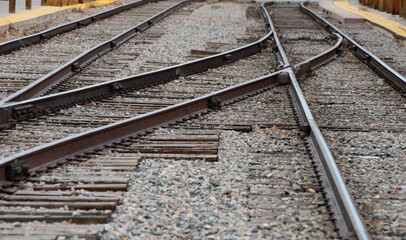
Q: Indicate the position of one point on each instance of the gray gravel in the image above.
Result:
(300, 36)
(231, 198)
(372, 155)
(203, 25)
(74, 15)
(20, 68)
(378, 41)
(80, 118)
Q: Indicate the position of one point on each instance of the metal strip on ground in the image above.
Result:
(59, 151)
(347, 217)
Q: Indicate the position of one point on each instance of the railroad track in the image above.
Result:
(108, 155)
(74, 205)
(155, 48)
(63, 120)
(356, 109)
(79, 118)
(362, 118)
(301, 37)
(379, 41)
(57, 59)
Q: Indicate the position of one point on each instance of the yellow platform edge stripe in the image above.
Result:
(90, 4)
(393, 26)
(31, 14)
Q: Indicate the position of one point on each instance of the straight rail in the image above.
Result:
(57, 152)
(347, 217)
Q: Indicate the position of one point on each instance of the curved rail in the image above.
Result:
(26, 41)
(319, 60)
(281, 58)
(347, 217)
(32, 107)
(375, 63)
(66, 70)
(59, 151)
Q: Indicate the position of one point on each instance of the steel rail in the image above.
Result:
(347, 217)
(391, 76)
(26, 41)
(65, 71)
(280, 55)
(11, 111)
(59, 151)
(310, 64)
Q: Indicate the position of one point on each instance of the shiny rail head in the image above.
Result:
(58, 151)
(348, 219)
(347, 216)
(309, 65)
(133, 82)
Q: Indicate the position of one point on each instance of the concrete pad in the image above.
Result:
(384, 20)
(340, 14)
(31, 18)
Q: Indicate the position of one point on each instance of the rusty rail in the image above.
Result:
(58, 151)
(26, 41)
(63, 72)
(11, 111)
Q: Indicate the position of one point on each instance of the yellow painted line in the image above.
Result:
(90, 4)
(28, 15)
(23, 16)
(393, 26)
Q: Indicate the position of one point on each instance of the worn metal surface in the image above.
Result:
(395, 79)
(60, 150)
(347, 218)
